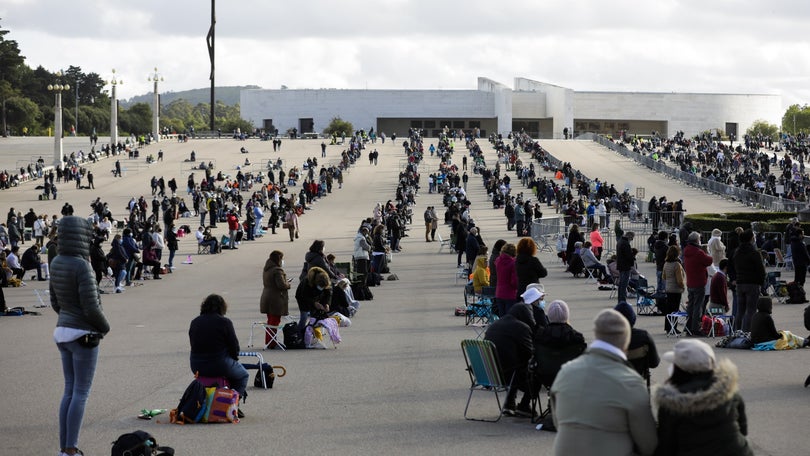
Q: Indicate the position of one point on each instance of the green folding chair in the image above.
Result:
(485, 373)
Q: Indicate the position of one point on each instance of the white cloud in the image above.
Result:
(667, 45)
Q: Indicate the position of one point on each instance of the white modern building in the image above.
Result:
(544, 110)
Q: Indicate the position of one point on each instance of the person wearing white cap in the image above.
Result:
(700, 411)
(600, 404)
(534, 296)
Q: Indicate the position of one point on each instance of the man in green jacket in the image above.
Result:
(600, 404)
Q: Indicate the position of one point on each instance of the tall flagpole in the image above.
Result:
(210, 41)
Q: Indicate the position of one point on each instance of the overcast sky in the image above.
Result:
(713, 46)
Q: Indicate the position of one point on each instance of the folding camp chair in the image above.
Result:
(677, 318)
(645, 298)
(782, 262)
(589, 275)
(718, 313)
(543, 369)
(638, 358)
(273, 331)
(485, 373)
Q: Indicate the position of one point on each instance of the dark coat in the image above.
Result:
(798, 250)
(275, 295)
(529, 270)
(660, 248)
(624, 255)
(212, 334)
(704, 416)
(512, 336)
(73, 289)
(748, 265)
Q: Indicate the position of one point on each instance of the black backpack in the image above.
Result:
(139, 443)
(796, 294)
(291, 338)
(192, 405)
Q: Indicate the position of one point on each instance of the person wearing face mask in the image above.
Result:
(275, 299)
(313, 295)
(535, 296)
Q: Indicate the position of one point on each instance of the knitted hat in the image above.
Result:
(557, 311)
(625, 309)
(694, 236)
(691, 355)
(611, 327)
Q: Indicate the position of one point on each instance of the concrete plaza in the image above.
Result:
(395, 385)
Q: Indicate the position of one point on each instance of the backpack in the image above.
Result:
(269, 376)
(291, 338)
(191, 407)
(575, 265)
(361, 292)
(796, 294)
(139, 443)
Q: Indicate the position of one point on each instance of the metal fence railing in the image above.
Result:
(756, 199)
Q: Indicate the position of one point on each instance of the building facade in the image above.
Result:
(543, 110)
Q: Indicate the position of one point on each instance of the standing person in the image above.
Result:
(233, 227)
(496, 251)
(751, 275)
(506, 287)
(275, 300)
(674, 283)
(625, 260)
(528, 268)
(291, 220)
(615, 417)
(80, 325)
(597, 241)
(801, 258)
(362, 251)
(215, 347)
(715, 247)
(171, 244)
(660, 249)
(700, 410)
(428, 224)
(434, 223)
(695, 262)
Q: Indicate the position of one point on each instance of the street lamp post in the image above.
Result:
(114, 112)
(156, 114)
(76, 121)
(57, 119)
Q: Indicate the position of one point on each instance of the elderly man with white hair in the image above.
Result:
(600, 404)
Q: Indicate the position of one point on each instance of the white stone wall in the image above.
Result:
(361, 107)
(690, 112)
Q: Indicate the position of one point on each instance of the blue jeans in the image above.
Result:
(171, 257)
(660, 288)
(747, 297)
(302, 323)
(78, 367)
(624, 281)
(221, 365)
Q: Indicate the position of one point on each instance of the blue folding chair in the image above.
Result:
(485, 373)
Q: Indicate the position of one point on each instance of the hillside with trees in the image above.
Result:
(27, 106)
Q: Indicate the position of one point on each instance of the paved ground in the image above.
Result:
(396, 385)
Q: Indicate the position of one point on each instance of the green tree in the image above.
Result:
(796, 119)
(338, 126)
(137, 119)
(761, 127)
(23, 112)
(10, 63)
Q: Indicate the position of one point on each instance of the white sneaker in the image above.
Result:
(119, 289)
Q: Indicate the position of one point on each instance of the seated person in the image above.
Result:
(764, 334)
(342, 300)
(313, 295)
(718, 288)
(215, 347)
(13, 261)
(512, 336)
(590, 261)
(204, 238)
(639, 338)
(480, 274)
(534, 296)
(104, 227)
(557, 335)
(31, 260)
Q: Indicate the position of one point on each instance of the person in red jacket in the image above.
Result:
(233, 228)
(695, 262)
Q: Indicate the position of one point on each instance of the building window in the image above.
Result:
(430, 124)
(475, 124)
(458, 124)
(416, 124)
